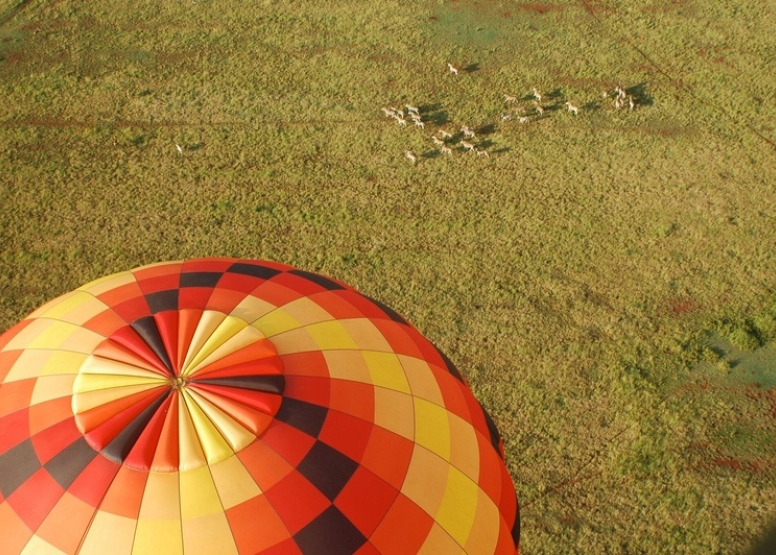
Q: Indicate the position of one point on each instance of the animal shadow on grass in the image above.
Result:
(429, 108)
(501, 150)
(591, 106)
(430, 154)
(195, 146)
(438, 117)
(471, 68)
(487, 129)
(555, 94)
(487, 143)
(639, 94)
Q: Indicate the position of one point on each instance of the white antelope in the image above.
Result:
(452, 68)
(482, 152)
(401, 121)
(419, 123)
(539, 108)
(446, 150)
(445, 134)
(468, 132)
(410, 156)
(387, 111)
(510, 98)
(411, 108)
(631, 103)
(573, 109)
(506, 117)
(179, 148)
(523, 119)
(467, 146)
(438, 142)
(618, 103)
(536, 95)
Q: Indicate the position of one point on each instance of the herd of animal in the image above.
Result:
(463, 138)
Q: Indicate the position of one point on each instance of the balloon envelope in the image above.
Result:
(224, 406)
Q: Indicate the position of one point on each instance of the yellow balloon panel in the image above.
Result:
(432, 429)
(108, 529)
(233, 482)
(219, 337)
(386, 371)
(459, 506)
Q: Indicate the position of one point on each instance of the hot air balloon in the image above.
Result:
(224, 406)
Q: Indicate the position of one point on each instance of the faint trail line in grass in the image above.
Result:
(64, 123)
(11, 12)
(15, 10)
(678, 82)
(564, 484)
(576, 478)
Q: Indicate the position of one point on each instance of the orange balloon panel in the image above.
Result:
(227, 406)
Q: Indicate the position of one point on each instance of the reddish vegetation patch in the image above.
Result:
(538, 8)
(737, 464)
(756, 393)
(667, 130)
(733, 464)
(14, 57)
(682, 306)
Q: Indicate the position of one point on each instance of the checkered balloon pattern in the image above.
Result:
(224, 406)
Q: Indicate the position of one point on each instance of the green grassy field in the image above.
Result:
(605, 281)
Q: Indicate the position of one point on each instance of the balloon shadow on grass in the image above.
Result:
(765, 544)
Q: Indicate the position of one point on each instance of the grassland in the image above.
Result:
(605, 282)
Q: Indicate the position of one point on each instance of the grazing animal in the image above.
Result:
(573, 109)
(438, 142)
(452, 68)
(510, 98)
(401, 121)
(180, 149)
(467, 146)
(506, 117)
(419, 123)
(618, 103)
(482, 152)
(468, 132)
(537, 95)
(412, 108)
(523, 119)
(539, 108)
(445, 134)
(388, 112)
(410, 156)
(446, 150)
(631, 103)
